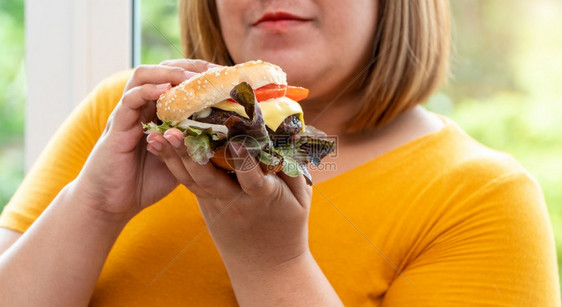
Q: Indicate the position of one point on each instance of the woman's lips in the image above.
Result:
(279, 21)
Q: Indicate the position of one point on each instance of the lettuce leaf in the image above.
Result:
(316, 149)
(253, 134)
(315, 144)
(199, 148)
(152, 127)
(199, 143)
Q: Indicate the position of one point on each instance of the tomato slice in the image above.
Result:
(297, 93)
(271, 91)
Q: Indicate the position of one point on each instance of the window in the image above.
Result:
(71, 46)
(160, 31)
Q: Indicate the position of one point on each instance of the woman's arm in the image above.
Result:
(297, 282)
(58, 260)
(7, 238)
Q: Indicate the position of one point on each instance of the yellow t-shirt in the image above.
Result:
(439, 221)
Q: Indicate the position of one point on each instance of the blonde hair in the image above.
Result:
(409, 61)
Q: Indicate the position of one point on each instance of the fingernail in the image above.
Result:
(163, 86)
(188, 74)
(176, 142)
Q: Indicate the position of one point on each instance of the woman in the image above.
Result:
(416, 212)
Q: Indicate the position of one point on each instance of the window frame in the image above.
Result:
(70, 47)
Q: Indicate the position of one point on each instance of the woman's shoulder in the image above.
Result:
(461, 155)
(97, 106)
(117, 80)
(447, 152)
(467, 175)
(112, 85)
(450, 170)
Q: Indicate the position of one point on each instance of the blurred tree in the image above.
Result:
(483, 36)
(12, 97)
(160, 31)
(506, 86)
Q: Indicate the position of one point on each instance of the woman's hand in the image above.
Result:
(256, 221)
(120, 178)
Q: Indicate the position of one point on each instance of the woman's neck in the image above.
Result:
(356, 149)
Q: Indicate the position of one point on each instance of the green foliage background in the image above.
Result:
(12, 97)
(505, 89)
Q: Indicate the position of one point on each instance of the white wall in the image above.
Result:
(70, 46)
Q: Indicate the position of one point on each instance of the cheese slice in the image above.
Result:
(274, 111)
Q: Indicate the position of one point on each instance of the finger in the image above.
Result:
(249, 173)
(127, 113)
(197, 66)
(298, 187)
(206, 176)
(158, 146)
(157, 74)
(148, 113)
(137, 97)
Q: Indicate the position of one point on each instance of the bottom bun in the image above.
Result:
(223, 159)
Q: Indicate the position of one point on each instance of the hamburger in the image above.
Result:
(251, 104)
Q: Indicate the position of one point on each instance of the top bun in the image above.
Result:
(206, 89)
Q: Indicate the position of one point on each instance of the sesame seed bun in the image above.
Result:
(208, 88)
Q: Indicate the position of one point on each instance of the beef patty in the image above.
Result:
(289, 127)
